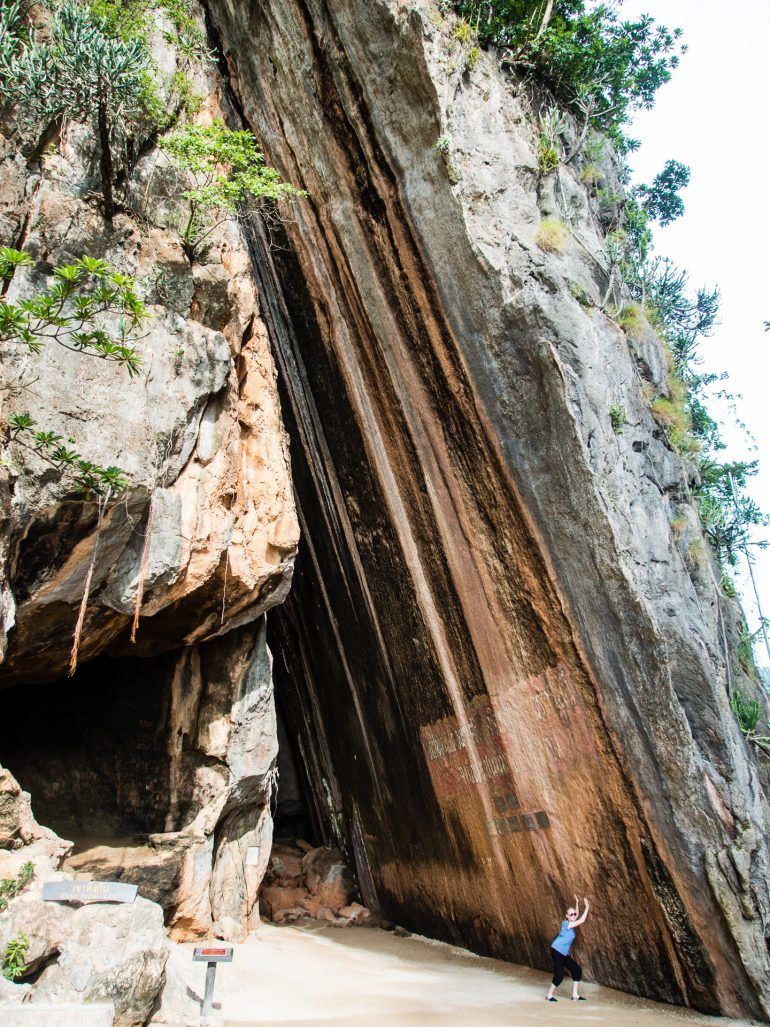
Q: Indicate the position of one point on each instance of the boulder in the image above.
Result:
(285, 866)
(18, 826)
(109, 953)
(355, 911)
(100, 952)
(276, 899)
(328, 878)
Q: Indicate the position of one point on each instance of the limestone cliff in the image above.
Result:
(173, 738)
(504, 661)
(507, 668)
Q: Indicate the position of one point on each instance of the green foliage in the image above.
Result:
(227, 178)
(11, 32)
(78, 69)
(727, 512)
(745, 648)
(474, 55)
(548, 157)
(552, 124)
(552, 235)
(728, 586)
(463, 32)
(15, 957)
(591, 175)
(661, 201)
(11, 886)
(579, 293)
(131, 19)
(633, 320)
(77, 311)
(87, 477)
(444, 146)
(747, 712)
(601, 67)
(73, 311)
(618, 418)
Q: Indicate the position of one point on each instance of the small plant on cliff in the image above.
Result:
(80, 71)
(747, 713)
(15, 957)
(633, 320)
(91, 309)
(75, 310)
(552, 236)
(552, 124)
(618, 418)
(227, 179)
(11, 886)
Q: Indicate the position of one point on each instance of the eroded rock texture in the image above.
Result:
(199, 431)
(507, 670)
(157, 756)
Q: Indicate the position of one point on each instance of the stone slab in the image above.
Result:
(88, 891)
(43, 1015)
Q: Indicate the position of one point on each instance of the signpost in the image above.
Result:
(211, 955)
(88, 891)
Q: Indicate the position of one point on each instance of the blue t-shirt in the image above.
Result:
(563, 941)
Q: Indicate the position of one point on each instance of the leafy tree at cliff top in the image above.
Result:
(601, 67)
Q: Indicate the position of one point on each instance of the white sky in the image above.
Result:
(714, 115)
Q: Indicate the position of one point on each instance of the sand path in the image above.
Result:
(287, 977)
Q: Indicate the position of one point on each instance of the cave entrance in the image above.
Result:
(121, 758)
(294, 810)
(94, 751)
(103, 758)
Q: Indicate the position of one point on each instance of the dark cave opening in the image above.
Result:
(93, 750)
(108, 757)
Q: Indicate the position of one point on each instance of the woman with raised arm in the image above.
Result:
(560, 956)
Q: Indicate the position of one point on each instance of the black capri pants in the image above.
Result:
(562, 963)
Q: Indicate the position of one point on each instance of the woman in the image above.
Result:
(560, 947)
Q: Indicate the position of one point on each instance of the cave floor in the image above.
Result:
(290, 976)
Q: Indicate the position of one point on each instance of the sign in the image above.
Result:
(252, 856)
(213, 954)
(88, 891)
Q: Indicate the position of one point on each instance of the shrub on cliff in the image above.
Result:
(78, 70)
(227, 179)
(601, 67)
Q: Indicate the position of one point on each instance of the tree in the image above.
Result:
(661, 200)
(227, 177)
(81, 72)
(601, 67)
(89, 308)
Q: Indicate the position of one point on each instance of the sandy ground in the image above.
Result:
(287, 977)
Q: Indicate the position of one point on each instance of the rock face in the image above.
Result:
(506, 668)
(505, 660)
(158, 756)
(208, 529)
(91, 953)
(303, 882)
(163, 778)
